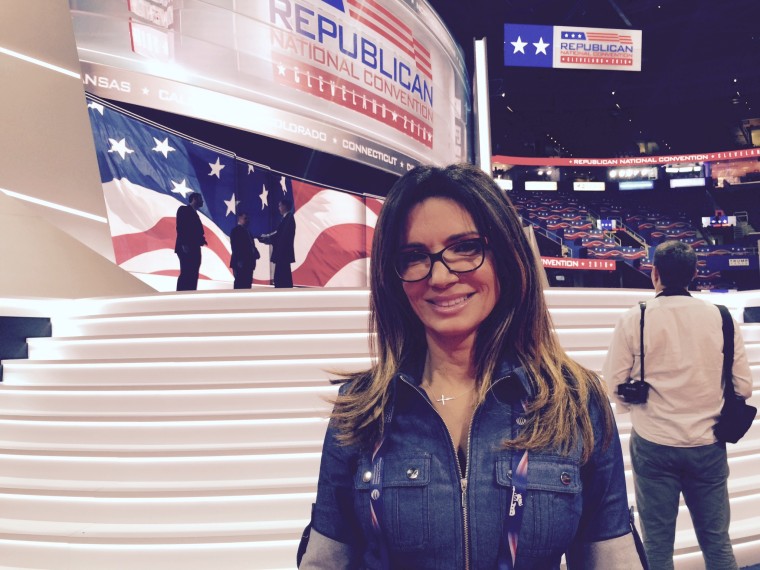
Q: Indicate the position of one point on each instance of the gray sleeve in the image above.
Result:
(613, 554)
(327, 554)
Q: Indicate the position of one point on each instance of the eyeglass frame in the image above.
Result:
(438, 256)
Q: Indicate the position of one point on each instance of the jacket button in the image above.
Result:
(367, 476)
(565, 478)
(412, 473)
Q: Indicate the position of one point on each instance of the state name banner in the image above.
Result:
(572, 47)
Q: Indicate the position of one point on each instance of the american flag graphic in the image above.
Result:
(603, 37)
(148, 171)
(381, 20)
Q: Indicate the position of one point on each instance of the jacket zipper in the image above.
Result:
(462, 479)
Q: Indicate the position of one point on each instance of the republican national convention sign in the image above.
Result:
(147, 172)
(572, 47)
(378, 81)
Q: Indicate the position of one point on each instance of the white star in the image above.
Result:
(181, 188)
(145, 91)
(394, 114)
(541, 46)
(519, 45)
(97, 106)
(263, 196)
(163, 147)
(250, 168)
(282, 184)
(216, 168)
(231, 205)
(120, 147)
(281, 69)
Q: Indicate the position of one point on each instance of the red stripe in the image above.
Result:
(162, 235)
(357, 16)
(421, 47)
(333, 249)
(385, 12)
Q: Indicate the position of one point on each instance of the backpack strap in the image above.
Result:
(728, 352)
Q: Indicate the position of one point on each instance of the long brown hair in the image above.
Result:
(519, 324)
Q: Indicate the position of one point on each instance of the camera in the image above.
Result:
(633, 392)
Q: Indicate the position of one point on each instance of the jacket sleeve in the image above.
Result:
(604, 539)
(334, 519)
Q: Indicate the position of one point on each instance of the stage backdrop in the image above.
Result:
(378, 81)
(148, 171)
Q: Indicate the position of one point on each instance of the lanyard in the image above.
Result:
(376, 487)
(513, 518)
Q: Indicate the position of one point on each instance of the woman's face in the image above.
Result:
(451, 306)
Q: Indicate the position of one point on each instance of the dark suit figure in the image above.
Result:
(190, 238)
(244, 254)
(282, 245)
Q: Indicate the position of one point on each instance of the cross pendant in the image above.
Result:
(443, 399)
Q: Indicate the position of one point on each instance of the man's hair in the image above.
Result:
(676, 263)
(193, 196)
(287, 202)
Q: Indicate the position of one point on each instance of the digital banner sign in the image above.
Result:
(578, 264)
(572, 47)
(381, 82)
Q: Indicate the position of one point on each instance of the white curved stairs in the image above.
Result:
(184, 430)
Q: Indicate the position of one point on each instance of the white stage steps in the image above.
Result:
(183, 430)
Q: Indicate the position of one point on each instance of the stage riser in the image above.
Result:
(185, 429)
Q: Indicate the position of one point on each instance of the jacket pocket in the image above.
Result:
(405, 498)
(553, 504)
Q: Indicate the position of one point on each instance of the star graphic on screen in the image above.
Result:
(394, 114)
(541, 46)
(282, 184)
(216, 168)
(163, 147)
(519, 45)
(97, 106)
(263, 196)
(281, 69)
(120, 147)
(145, 91)
(181, 188)
(231, 205)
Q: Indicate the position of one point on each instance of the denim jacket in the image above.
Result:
(430, 523)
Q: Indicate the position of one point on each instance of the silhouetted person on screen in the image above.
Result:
(190, 238)
(244, 254)
(282, 245)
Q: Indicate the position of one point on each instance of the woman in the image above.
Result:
(474, 441)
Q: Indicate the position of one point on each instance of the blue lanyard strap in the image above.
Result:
(376, 488)
(513, 518)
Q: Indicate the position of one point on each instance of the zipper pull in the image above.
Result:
(463, 483)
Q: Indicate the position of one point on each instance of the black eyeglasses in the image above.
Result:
(461, 257)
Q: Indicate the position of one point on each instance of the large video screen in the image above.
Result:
(381, 82)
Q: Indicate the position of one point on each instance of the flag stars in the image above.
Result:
(251, 169)
(282, 185)
(264, 197)
(181, 188)
(216, 168)
(96, 106)
(541, 46)
(120, 147)
(163, 147)
(519, 45)
(231, 205)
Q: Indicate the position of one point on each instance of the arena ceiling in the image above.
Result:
(698, 90)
